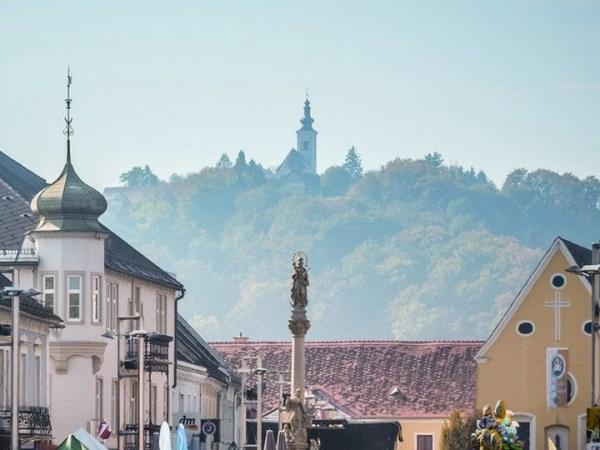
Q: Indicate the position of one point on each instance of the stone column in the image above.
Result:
(299, 418)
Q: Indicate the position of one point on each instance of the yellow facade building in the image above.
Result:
(538, 358)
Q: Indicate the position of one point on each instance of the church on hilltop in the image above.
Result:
(298, 171)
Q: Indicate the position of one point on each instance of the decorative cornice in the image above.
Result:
(62, 351)
(299, 326)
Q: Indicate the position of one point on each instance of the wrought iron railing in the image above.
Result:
(156, 352)
(34, 421)
(130, 436)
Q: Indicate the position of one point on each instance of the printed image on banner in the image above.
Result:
(557, 360)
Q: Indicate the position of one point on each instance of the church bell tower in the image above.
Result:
(307, 138)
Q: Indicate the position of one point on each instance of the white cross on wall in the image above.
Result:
(557, 304)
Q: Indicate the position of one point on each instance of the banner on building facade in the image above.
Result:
(557, 360)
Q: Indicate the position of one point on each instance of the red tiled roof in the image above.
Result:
(433, 378)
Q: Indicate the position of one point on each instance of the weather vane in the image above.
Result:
(68, 131)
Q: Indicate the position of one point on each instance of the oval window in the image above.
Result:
(525, 328)
(558, 281)
(587, 327)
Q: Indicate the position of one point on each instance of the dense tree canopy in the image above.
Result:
(138, 176)
(416, 250)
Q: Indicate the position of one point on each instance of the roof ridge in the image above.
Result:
(14, 161)
(354, 341)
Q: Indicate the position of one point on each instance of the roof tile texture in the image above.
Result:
(433, 378)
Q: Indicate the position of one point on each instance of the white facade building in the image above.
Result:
(92, 279)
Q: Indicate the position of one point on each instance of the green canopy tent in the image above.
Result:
(80, 440)
(71, 443)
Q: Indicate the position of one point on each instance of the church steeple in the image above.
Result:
(307, 138)
(68, 204)
(307, 120)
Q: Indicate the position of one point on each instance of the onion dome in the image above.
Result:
(69, 204)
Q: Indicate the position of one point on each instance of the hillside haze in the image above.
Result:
(416, 250)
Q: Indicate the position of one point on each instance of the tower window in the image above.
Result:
(304, 145)
(74, 297)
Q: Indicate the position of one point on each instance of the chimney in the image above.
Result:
(241, 339)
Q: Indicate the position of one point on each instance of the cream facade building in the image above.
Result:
(538, 359)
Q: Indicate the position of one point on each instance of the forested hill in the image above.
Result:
(416, 250)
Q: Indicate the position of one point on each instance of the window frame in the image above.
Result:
(79, 292)
(161, 313)
(432, 435)
(114, 403)
(99, 399)
(96, 298)
(525, 321)
(23, 375)
(52, 291)
(558, 274)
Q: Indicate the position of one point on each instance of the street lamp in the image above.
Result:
(141, 336)
(16, 295)
(111, 334)
(259, 372)
(592, 271)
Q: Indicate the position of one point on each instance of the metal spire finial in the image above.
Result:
(68, 131)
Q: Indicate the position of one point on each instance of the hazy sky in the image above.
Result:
(493, 84)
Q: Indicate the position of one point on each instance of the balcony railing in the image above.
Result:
(18, 256)
(34, 422)
(130, 436)
(156, 353)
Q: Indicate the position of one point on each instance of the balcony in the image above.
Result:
(18, 256)
(156, 353)
(130, 436)
(34, 423)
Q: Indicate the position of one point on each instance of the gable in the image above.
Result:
(531, 302)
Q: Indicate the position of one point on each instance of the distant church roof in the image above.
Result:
(294, 162)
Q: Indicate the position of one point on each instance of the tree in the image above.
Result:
(224, 162)
(435, 159)
(139, 176)
(456, 433)
(335, 181)
(353, 164)
(240, 163)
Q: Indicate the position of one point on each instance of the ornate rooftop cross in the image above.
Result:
(557, 304)
(68, 131)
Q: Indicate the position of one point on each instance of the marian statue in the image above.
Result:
(299, 419)
(299, 284)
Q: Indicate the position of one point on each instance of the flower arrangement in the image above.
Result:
(497, 430)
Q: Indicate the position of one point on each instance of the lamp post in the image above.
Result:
(16, 294)
(141, 336)
(592, 271)
(111, 334)
(260, 372)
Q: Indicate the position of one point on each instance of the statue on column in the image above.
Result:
(299, 284)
